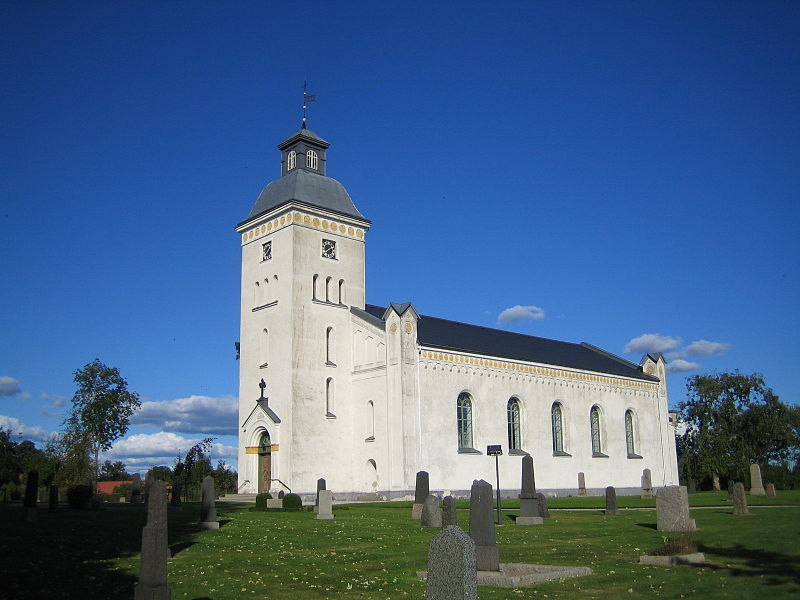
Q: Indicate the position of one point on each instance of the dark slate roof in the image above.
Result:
(305, 187)
(304, 133)
(452, 335)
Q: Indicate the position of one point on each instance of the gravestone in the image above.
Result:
(481, 526)
(449, 512)
(739, 500)
(771, 490)
(647, 484)
(325, 512)
(208, 508)
(581, 484)
(543, 505)
(136, 488)
(730, 490)
(530, 513)
(149, 478)
(274, 503)
(421, 491)
(321, 485)
(53, 499)
(431, 513)
(612, 507)
(281, 494)
(31, 496)
(152, 583)
(672, 509)
(175, 502)
(756, 486)
(452, 567)
(692, 486)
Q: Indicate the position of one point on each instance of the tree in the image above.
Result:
(161, 473)
(101, 410)
(225, 479)
(113, 471)
(733, 420)
(194, 466)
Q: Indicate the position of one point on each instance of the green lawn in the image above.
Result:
(374, 551)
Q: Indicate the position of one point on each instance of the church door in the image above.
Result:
(264, 464)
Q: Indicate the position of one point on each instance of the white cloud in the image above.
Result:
(701, 348)
(195, 414)
(679, 366)
(518, 313)
(144, 447)
(652, 342)
(54, 403)
(9, 386)
(18, 429)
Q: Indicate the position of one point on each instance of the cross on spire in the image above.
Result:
(306, 99)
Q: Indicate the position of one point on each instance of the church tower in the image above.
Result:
(303, 267)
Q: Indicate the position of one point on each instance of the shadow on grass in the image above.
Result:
(648, 525)
(77, 553)
(774, 567)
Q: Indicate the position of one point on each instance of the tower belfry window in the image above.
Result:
(312, 160)
(291, 160)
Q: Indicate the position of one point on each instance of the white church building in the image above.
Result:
(365, 396)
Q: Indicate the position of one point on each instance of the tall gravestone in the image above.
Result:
(325, 512)
(208, 508)
(672, 509)
(449, 511)
(581, 484)
(530, 512)
(136, 488)
(175, 501)
(612, 507)
(431, 513)
(31, 496)
(739, 500)
(543, 505)
(756, 485)
(452, 566)
(770, 490)
(730, 490)
(647, 484)
(481, 526)
(421, 491)
(149, 478)
(53, 498)
(152, 583)
(321, 485)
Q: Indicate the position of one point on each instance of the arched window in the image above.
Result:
(328, 346)
(370, 421)
(629, 439)
(291, 160)
(264, 348)
(594, 422)
(311, 159)
(329, 397)
(314, 287)
(557, 422)
(512, 418)
(341, 291)
(464, 409)
(327, 289)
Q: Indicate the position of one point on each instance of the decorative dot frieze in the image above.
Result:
(307, 221)
(533, 370)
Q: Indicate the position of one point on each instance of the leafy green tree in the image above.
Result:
(10, 466)
(161, 473)
(733, 420)
(225, 479)
(113, 471)
(101, 410)
(194, 467)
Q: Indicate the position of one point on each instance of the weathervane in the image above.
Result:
(306, 99)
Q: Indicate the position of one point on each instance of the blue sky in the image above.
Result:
(620, 173)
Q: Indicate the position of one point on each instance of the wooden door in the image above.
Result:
(264, 472)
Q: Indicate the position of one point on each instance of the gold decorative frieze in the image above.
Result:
(306, 220)
(530, 369)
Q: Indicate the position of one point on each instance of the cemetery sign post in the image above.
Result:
(497, 450)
